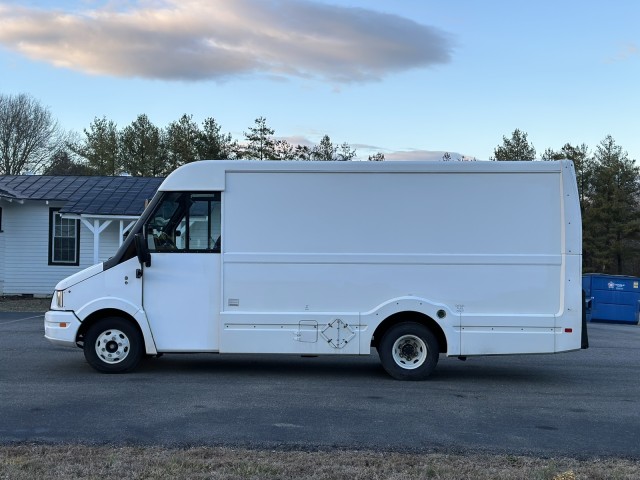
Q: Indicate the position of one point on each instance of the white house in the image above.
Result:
(54, 226)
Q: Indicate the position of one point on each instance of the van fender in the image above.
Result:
(446, 317)
(131, 309)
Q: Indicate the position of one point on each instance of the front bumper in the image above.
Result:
(61, 328)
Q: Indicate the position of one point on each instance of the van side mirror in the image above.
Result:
(142, 250)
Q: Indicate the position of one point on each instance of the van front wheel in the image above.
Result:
(409, 351)
(113, 345)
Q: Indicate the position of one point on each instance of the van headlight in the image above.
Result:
(60, 298)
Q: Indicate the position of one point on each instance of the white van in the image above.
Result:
(334, 258)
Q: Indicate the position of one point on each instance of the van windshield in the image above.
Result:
(185, 221)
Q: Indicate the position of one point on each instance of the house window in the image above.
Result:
(64, 239)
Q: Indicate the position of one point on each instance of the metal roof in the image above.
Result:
(84, 195)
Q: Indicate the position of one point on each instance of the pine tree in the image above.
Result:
(101, 147)
(141, 151)
(583, 163)
(214, 145)
(611, 223)
(261, 145)
(181, 142)
(515, 148)
(327, 151)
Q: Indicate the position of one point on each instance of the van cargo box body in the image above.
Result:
(337, 257)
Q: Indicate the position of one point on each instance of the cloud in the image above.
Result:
(298, 140)
(365, 150)
(426, 155)
(221, 39)
(625, 52)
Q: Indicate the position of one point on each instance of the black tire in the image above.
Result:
(409, 351)
(113, 345)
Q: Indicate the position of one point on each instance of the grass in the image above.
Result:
(18, 462)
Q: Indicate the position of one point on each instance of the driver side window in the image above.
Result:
(186, 222)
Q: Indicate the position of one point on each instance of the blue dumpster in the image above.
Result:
(612, 298)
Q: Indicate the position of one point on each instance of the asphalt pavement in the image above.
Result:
(581, 404)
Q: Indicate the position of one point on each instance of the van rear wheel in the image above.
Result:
(409, 351)
(113, 345)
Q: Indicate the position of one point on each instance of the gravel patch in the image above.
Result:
(24, 304)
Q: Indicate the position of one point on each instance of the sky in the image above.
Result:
(409, 78)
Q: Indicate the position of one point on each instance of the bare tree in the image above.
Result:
(28, 134)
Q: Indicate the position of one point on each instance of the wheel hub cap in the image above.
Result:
(409, 352)
(112, 346)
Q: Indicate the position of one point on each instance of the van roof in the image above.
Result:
(210, 174)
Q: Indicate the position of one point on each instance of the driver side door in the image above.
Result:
(181, 288)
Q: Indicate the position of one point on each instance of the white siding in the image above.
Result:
(24, 262)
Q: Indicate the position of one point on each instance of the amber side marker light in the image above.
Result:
(63, 324)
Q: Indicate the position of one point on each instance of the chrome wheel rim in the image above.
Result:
(112, 346)
(409, 352)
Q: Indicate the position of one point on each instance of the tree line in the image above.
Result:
(31, 140)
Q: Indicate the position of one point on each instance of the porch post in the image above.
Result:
(124, 230)
(96, 229)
